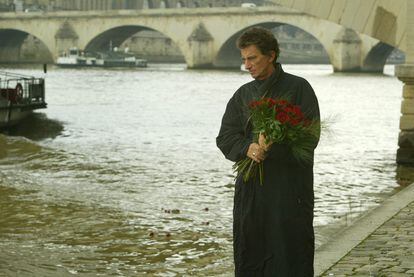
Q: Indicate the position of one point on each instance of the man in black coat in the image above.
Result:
(272, 223)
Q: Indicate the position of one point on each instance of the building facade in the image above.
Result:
(87, 5)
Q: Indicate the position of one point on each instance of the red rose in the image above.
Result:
(288, 109)
(282, 117)
(297, 111)
(294, 121)
(254, 104)
(271, 102)
(261, 102)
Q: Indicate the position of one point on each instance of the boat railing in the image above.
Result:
(22, 90)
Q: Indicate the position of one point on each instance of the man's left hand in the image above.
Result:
(262, 142)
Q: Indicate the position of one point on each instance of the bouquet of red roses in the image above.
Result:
(279, 122)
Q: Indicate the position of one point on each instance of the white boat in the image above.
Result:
(78, 58)
(140, 63)
(19, 96)
(75, 58)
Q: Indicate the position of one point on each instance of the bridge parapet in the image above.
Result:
(154, 12)
(47, 5)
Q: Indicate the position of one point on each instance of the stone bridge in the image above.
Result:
(384, 20)
(391, 22)
(205, 36)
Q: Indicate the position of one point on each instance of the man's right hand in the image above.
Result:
(256, 153)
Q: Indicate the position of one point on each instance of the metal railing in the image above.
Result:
(21, 90)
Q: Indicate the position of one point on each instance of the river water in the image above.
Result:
(120, 175)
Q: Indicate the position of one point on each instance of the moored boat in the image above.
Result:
(75, 58)
(19, 96)
(113, 58)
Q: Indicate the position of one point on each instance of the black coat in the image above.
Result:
(273, 222)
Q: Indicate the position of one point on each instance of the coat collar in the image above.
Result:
(263, 86)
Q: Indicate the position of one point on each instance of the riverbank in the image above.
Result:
(378, 244)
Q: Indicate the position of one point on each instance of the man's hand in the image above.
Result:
(262, 142)
(256, 153)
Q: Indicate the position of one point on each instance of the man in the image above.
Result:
(273, 222)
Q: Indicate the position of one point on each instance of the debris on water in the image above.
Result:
(206, 209)
(171, 211)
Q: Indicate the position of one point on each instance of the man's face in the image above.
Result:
(260, 66)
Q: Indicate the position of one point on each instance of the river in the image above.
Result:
(120, 175)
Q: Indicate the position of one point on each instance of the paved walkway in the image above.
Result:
(379, 244)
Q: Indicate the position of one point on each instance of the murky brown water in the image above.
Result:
(121, 176)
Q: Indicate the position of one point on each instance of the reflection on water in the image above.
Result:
(120, 175)
(36, 126)
(70, 237)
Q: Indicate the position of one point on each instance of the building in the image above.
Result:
(86, 5)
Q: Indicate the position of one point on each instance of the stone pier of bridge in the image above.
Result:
(405, 72)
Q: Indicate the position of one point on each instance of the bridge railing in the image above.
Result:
(22, 90)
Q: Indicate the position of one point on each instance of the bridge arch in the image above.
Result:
(11, 51)
(116, 36)
(376, 58)
(228, 56)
